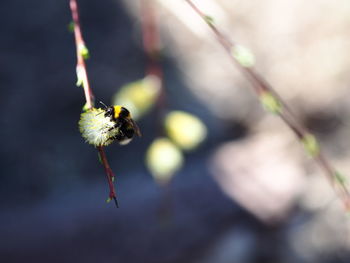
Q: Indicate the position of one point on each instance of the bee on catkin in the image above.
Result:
(101, 127)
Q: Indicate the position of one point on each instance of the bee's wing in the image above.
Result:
(136, 127)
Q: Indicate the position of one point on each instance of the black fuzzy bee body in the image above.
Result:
(123, 122)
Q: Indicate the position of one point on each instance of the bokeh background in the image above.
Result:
(248, 193)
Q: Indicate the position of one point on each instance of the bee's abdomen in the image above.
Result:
(127, 131)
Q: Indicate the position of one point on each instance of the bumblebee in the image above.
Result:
(126, 126)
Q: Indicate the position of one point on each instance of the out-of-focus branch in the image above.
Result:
(150, 38)
(82, 80)
(273, 103)
(152, 49)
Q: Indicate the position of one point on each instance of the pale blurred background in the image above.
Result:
(248, 193)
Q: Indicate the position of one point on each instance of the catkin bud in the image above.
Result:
(97, 129)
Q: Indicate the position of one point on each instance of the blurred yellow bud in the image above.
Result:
(138, 96)
(163, 159)
(83, 50)
(270, 102)
(243, 55)
(310, 144)
(185, 129)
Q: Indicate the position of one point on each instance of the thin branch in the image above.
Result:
(80, 49)
(109, 173)
(82, 52)
(261, 88)
(152, 48)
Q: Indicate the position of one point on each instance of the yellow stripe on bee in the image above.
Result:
(117, 110)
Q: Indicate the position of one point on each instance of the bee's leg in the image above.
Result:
(118, 136)
(116, 126)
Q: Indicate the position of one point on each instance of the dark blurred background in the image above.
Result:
(247, 194)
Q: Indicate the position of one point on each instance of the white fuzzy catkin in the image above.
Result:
(97, 129)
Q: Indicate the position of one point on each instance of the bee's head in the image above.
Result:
(109, 112)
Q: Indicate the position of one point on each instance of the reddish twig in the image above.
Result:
(150, 38)
(83, 80)
(80, 48)
(261, 87)
(109, 173)
(152, 49)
